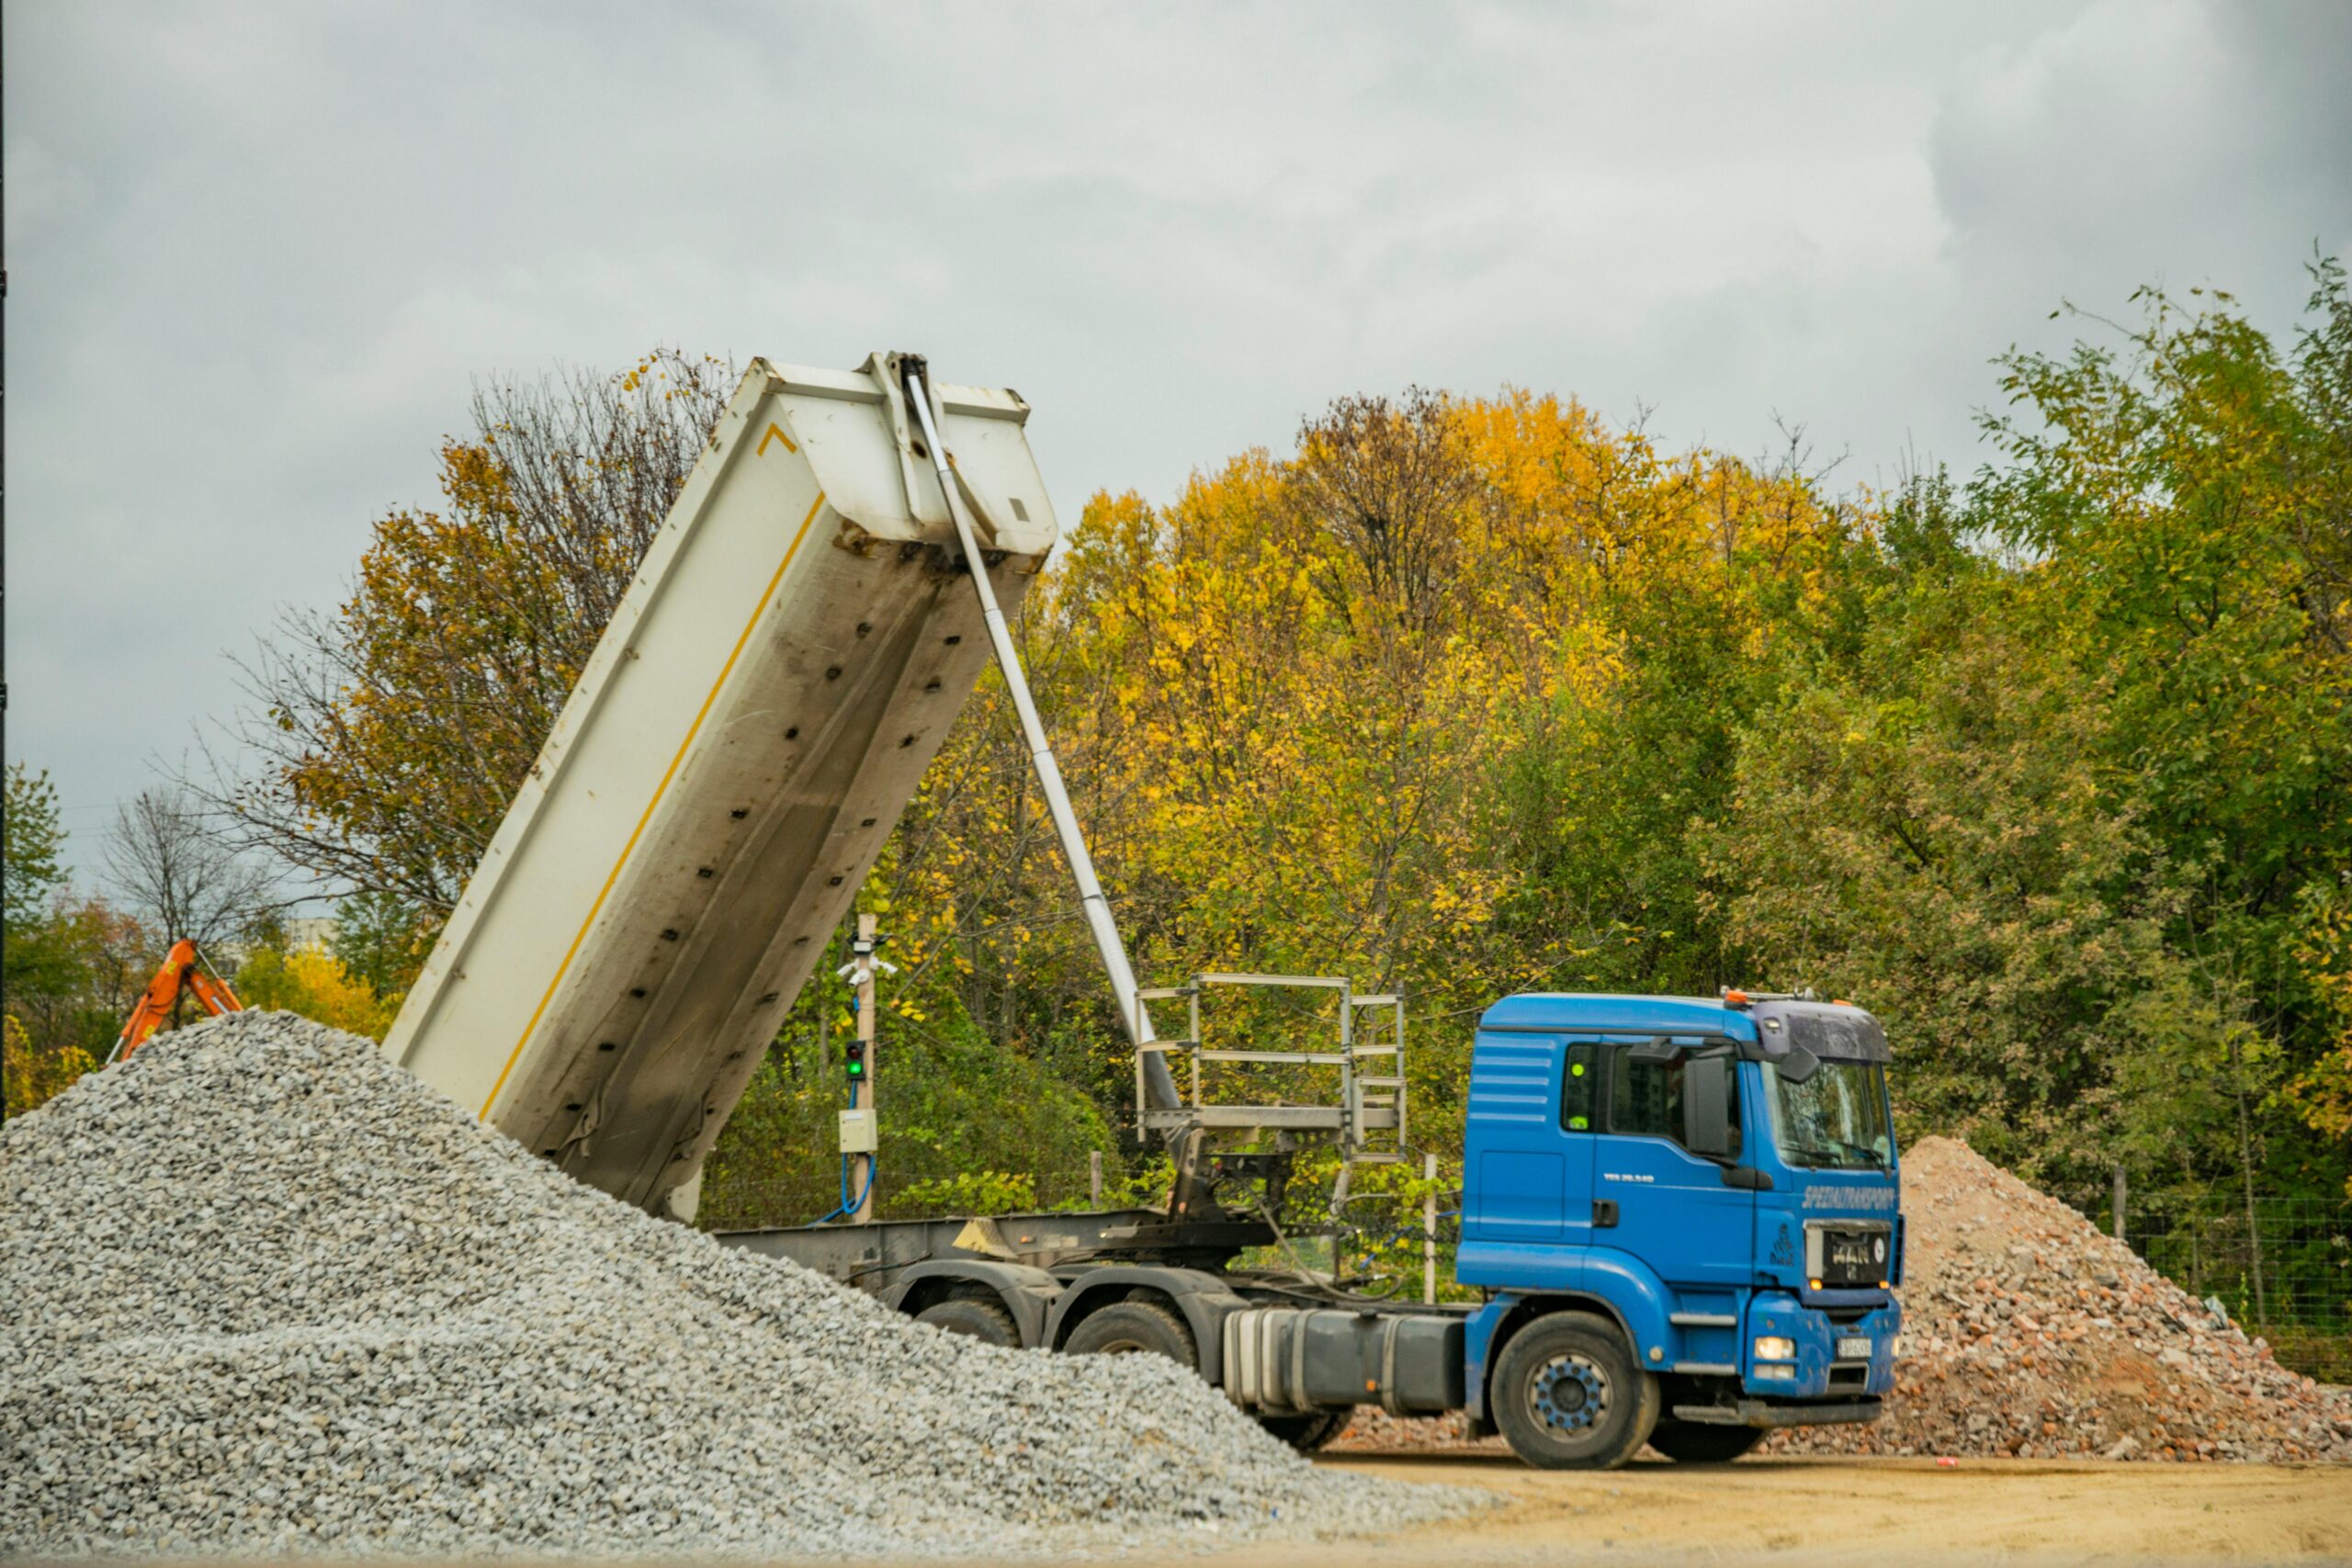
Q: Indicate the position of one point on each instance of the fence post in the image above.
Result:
(1428, 1229)
(2121, 1192)
(1094, 1177)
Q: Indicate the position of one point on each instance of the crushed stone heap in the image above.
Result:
(2026, 1331)
(263, 1291)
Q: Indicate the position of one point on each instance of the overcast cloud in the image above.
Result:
(257, 251)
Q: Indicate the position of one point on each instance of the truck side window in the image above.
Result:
(1646, 1099)
(1579, 1077)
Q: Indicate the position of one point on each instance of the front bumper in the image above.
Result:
(1758, 1412)
(1818, 1372)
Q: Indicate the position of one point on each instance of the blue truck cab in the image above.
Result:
(1687, 1214)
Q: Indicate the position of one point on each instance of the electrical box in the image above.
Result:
(858, 1131)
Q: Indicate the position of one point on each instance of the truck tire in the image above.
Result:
(987, 1322)
(1569, 1394)
(1125, 1328)
(1309, 1432)
(1703, 1442)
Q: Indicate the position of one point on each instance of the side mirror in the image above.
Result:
(1706, 1107)
(1798, 1065)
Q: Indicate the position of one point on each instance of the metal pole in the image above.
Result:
(2121, 1192)
(863, 1175)
(1159, 1082)
(4, 536)
(1094, 1177)
(1429, 1228)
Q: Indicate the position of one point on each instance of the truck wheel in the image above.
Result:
(1126, 1328)
(1703, 1442)
(985, 1321)
(1309, 1432)
(1569, 1394)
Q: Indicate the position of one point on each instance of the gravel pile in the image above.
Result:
(266, 1292)
(2028, 1332)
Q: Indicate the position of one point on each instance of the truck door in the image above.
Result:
(1534, 1101)
(1651, 1197)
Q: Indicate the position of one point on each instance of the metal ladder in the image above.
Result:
(1366, 1117)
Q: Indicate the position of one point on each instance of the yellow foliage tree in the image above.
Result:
(34, 1077)
(310, 981)
(1290, 701)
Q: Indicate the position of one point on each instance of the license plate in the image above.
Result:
(1854, 1349)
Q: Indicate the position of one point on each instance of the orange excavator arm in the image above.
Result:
(184, 968)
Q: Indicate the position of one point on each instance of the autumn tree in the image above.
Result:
(312, 981)
(73, 962)
(386, 739)
(1300, 702)
(1465, 695)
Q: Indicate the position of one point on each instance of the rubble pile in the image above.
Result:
(1374, 1430)
(262, 1292)
(2028, 1332)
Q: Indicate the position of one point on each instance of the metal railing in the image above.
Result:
(1366, 1119)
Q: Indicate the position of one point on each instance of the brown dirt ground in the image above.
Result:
(1782, 1512)
(1879, 1512)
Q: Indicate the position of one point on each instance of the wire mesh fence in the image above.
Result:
(2279, 1266)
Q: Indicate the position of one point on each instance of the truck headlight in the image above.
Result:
(1773, 1348)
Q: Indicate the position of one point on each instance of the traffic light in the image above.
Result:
(853, 1058)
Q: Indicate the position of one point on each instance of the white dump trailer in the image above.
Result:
(799, 639)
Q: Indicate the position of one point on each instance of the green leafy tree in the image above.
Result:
(38, 963)
(1934, 843)
(35, 841)
(2184, 498)
(382, 939)
(965, 1116)
(72, 965)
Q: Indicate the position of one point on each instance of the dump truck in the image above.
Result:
(1681, 1214)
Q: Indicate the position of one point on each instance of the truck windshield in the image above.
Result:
(1836, 1119)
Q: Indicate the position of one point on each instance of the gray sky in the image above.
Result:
(257, 251)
